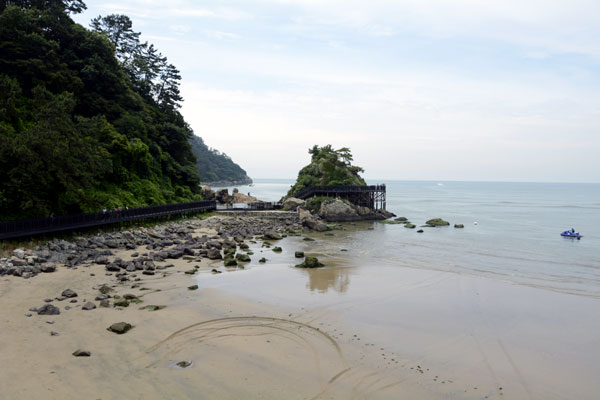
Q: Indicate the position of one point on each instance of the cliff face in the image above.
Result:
(328, 167)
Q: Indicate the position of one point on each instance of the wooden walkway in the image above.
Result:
(373, 197)
(24, 228)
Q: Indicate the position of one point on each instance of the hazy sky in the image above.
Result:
(424, 89)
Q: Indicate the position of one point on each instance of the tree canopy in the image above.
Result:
(88, 118)
(215, 166)
(328, 167)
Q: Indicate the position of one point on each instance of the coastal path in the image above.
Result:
(30, 227)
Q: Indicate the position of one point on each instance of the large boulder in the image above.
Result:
(315, 223)
(292, 204)
(338, 210)
(222, 196)
(243, 198)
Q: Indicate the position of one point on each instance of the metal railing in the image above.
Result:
(313, 190)
(22, 228)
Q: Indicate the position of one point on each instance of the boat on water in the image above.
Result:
(571, 234)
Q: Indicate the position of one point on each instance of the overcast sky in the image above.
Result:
(425, 89)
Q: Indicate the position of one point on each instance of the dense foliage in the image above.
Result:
(328, 167)
(215, 166)
(88, 118)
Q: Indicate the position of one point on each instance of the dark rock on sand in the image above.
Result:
(88, 306)
(48, 268)
(120, 327)
(299, 254)
(183, 364)
(242, 257)
(193, 287)
(48, 309)
(68, 293)
(81, 353)
(459, 226)
(410, 226)
(277, 249)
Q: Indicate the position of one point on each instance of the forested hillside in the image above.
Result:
(215, 166)
(328, 167)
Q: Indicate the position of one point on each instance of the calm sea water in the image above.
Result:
(512, 231)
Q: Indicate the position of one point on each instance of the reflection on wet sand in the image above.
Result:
(322, 279)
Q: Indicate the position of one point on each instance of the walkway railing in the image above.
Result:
(22, 228)
(313, 190)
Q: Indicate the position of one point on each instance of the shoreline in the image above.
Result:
(244, 339)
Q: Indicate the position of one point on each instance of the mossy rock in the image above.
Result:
(310, 262)
(193, 287)
(420, 231)
(121, 303)
(152, 307)
(391, 222)
(230, 262)
(129, 296)
(307, 239)
(410, 226)
(191, 271)
(437, 222)
(277, 249)
(242, 257)
(459, 226)
(250, 253)
(244, 246)
(262, 260)
(299, 254)
(401, 219)
(229, 251)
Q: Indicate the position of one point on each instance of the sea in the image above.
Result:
(511, 231)
(502, 308)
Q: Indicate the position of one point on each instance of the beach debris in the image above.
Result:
(120, 327)
(81, 353)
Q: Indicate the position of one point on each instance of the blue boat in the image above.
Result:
(571, 234)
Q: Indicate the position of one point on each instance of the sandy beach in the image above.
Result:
(453, 336)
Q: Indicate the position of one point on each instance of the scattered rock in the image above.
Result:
(53, 333)
(120, 327)
(310, 262)
(459, 226)
(292, 204)
(299, 254)
(82, 353)
(152, 308)
(242, 257)
(277, 249)
(262, 260)
(410, 226)
(121, 303)
(193, 287)
(420, 231)
(48, 309)
(68, 293)
(48, 268)
(184, 364)
(437, 222)
(88, 306)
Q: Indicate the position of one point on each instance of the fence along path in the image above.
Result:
(23, 228)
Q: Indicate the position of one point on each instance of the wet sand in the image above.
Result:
(271, 331)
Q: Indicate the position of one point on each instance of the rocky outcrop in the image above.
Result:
(222, 196)
(292, 204)
(437, 222)
(337, 210)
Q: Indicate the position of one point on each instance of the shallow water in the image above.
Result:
(506, 303)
